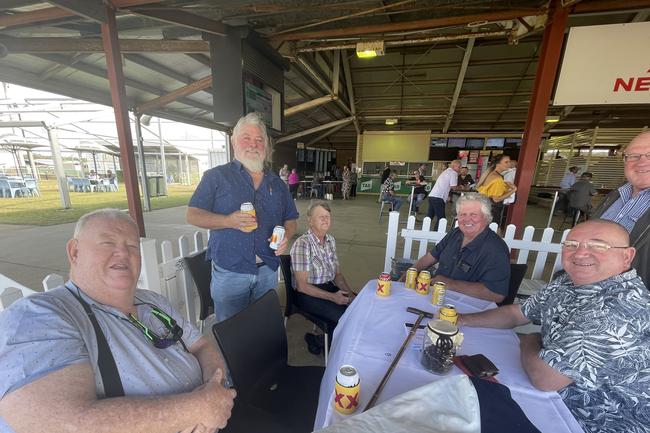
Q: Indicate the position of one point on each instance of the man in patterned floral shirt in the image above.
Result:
(594, 346)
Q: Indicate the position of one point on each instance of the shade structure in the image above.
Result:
(14, 144)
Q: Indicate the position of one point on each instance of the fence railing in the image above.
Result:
(543, 251)
(167, 276)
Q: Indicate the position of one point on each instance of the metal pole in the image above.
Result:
(412, 197)
(143, 170)
(30, 156)
(163, 162)
(64, 192)
(550, 217)
(187, 164)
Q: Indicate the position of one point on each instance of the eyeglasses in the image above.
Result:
(175, 331)
(599, 247)
(634, 157)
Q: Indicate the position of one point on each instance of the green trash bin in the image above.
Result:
(152, 184)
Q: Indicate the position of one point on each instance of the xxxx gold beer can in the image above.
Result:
(424, 279)
(277, 237)
(250, 209)
(346, 390)
(411, 278)
(383, 284)
(438, 297)
(448, 312)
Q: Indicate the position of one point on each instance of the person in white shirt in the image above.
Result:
(439, 194)
(569, 178)
(284, 173)
(509, 177)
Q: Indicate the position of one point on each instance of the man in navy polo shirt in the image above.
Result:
(244, 267)
(472, 259)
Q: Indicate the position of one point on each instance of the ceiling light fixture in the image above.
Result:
(370, 49)
(552, 119)
(391, 122)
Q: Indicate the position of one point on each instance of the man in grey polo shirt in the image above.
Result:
(439, 194)
(168, 378)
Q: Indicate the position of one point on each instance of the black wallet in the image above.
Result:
(479, 365)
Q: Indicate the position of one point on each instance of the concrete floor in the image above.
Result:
(29, 253)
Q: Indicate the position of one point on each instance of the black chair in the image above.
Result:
(517, 273)
(254, 345)
(293, 308)
(201, 272)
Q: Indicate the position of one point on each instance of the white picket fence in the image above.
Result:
(543, 250)
(168, 276)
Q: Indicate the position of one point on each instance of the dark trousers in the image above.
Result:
(294, 189)
(353, 191)
(436, 207)
(327, 310)
(497, 212)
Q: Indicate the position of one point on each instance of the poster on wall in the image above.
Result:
(473, 157)
(366, 186)
(606, 64)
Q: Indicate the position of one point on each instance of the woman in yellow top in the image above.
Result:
(493, 186)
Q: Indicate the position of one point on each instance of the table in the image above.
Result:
(333, 187)
(372, 330)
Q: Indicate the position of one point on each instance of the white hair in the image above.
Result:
(254, 119)
(486, 203)
(111, 214)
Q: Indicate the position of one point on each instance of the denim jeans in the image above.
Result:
(232, 292)
(396, 201)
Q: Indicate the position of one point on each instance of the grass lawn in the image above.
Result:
(46, 210)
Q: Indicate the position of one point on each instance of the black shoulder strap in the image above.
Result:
(105, 361)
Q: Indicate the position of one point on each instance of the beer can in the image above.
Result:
(346, 390)
(448, 312)
(250, 209)
(383, 284)
(424, 279)
(411, 278)
(277, 237)
(438, 297)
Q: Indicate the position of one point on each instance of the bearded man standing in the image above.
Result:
(244, 267)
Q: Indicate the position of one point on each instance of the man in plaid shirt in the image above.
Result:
(322, 289)
(388, 192)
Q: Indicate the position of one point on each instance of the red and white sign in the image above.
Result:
(607, 64)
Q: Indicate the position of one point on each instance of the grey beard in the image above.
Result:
(252, 165)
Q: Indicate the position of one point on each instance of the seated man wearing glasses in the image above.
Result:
(594, 346)
(629, 205)
(97, 354)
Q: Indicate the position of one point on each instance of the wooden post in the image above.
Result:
(120, 105)
(544, 79)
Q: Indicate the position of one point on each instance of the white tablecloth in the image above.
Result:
(372, 330)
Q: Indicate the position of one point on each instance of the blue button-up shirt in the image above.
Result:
(222, 190)
(627, 210)
(484, 260)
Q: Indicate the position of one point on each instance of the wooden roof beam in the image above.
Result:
(410, 25)
(182, 18)
(90, 9)
(70, 45)
(163, 100)
(49, 14)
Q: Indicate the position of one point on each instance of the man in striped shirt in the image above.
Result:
(629, 205)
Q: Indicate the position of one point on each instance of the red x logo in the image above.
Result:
(423, 286)
(354, 402)
(380, 288)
